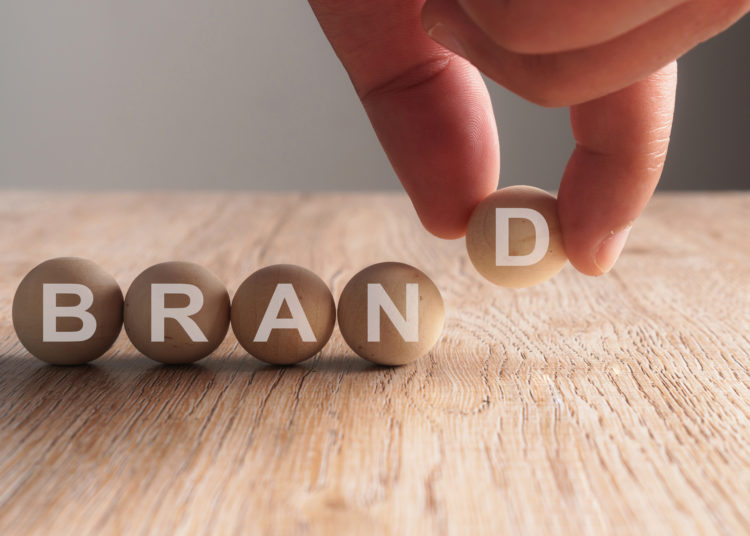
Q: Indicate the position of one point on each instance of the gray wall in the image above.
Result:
(232, 94)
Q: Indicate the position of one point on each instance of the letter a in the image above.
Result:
(284, 293)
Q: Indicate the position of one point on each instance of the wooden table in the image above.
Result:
(618, 404)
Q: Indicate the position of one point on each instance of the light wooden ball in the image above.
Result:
(481, 234)
(296, 321)
(394, 347)
(106, 309)
(177, 345)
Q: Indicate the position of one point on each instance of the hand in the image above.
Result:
(612, 62)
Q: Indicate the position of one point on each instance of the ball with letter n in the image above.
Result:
(391, 313)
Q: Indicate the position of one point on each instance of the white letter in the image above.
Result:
(377, 299)
(51, 312)
(159, 313)
(284, 293)
(502, 236)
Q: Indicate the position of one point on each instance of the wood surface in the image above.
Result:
(611, 405)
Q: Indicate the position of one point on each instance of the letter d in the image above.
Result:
(502, 236)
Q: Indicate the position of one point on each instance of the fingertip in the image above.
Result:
(442, 229)
(594, 253)
(449, 220)
(609, 249)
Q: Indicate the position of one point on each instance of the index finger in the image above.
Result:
(429, 108)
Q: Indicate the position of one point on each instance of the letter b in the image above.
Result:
(51, 312)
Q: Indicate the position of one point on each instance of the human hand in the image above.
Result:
(611, 62)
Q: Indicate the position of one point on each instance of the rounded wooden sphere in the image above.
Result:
(212, 319)
(392, 348)
(312, 308)
(106, 309)
(480, 237)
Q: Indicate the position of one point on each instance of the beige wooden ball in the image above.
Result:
(391, 313)
(521, 244)
(71, 333)
(283, 314)
(184, 330)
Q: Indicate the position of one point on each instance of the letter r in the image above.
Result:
(160, 312)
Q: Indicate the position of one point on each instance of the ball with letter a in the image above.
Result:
(513, 237)
(283, 314)
(67, 311)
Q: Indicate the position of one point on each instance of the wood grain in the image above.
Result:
(618, 404)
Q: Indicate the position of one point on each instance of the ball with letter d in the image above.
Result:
(514, 239)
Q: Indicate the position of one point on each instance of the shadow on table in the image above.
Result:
(22, 377)
(35, 396)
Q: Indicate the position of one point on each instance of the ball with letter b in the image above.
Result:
(67, 311)
(513, 237)
(176, 312)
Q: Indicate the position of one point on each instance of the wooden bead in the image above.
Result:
(67, 311)
(283, 314)
(176, 312)
(391, 313)
(507, 245)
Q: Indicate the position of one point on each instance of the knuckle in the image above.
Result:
(519, 26)
(727, 12)
(547, 96)
(409, 78)
(545, 82)
(737, 8)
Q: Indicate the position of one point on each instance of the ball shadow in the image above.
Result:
(42, 402)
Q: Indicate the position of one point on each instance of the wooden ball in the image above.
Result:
(67, 311)
(391, 313)
(283, 314)
(506, 238)
(176, 312)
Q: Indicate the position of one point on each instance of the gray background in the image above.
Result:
(231, 94)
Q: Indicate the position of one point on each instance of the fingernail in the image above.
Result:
(610, 248)
(445, 38)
